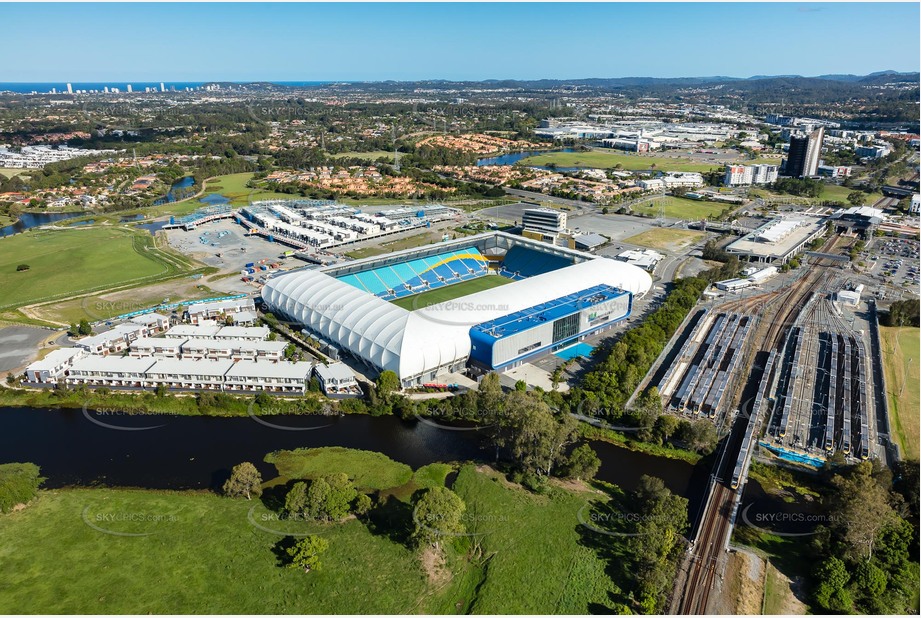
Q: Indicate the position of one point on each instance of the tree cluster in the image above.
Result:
(867, 555)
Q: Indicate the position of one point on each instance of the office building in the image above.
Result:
(803, 156)
(543, 222)
(70, 89)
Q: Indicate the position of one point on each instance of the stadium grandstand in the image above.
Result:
(499, 301)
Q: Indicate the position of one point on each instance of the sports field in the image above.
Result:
(367, 156)
(667, 238)
(440, 295)
(681, 208)
(597, 158)
(64, 263)
(904, 385)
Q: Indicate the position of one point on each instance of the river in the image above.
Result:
(77, 448)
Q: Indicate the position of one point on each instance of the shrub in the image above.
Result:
(19, 483)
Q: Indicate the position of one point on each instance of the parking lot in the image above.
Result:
(895, 260)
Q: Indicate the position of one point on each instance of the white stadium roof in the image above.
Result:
(414, 343)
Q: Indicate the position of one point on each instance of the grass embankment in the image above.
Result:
(590, 432)
(148, 403)
(599, 159)
(667, 238)
(399, 244)
(66, 263)
(202, 553)
(904, 385)
(682, 208)
(450, 292)
(9, 172)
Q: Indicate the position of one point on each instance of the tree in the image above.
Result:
(84, 328)
(855, 198)
(438, 512)
(305, 554)
(665, 426)
(362, 504)
(830, 593)
(583, 463)
(244, 480)
(329, 497)
(521, 386)
(387, 382)
(22, 267)
(861, 503)
(264, 400)
(296, 499)
(535, 437)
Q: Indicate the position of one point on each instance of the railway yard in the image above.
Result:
(812, 392)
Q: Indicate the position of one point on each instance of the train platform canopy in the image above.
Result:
(779, 239)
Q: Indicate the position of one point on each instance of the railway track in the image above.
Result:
(778, 311)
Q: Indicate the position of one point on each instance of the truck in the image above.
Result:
(250, 264)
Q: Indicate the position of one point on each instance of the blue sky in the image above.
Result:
(240, 42)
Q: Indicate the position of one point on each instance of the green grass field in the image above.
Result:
(367, 156)
(200, 553)
(667, 238)
(370, 471)
(450, 292)
(601, 159)
(682, 208)
(65, 263)
(233, 187)
(839, 194)
(903, 384)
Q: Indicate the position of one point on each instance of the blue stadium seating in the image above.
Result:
(399, 280)
(523, 262)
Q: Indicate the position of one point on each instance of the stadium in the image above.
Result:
(487, 302)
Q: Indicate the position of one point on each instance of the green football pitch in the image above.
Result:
(450, 292)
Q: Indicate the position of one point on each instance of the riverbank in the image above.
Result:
(186, 404)
(590, 432)
(142, 551)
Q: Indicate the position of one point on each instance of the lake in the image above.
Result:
(35, 219)
(179, 190)
(514, 157)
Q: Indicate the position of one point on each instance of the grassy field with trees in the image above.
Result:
(470, 548)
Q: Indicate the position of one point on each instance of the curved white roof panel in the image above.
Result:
(412, 343)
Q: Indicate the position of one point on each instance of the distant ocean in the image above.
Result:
(44, 87)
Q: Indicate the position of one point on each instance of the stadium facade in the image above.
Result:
(554, 296)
